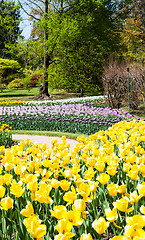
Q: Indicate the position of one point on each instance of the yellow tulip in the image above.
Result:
(141, 189)
(142, 209)
(27, 142)
(42, 195)
(89, 174)
(16, 189)
(103, 178)
(100, 225)
(86, 237)
(133, 175)
(126, 167)
(32, 186)
(2, 149)
(130, 232)
(134, 197)
(7, 178)
(93, 185)
(74, 217)
(64, 184)
(63, 226)
(1, 180)
(65, 236)
(138, 221)
(112, 189)
(84, 190)
(122, 188)
(30, 178)
(2, 191)
(54, 183)
(28, 211)
(8, 166)
(34, 227)
(80, 205)
(67, 173)
(118, 238)
(22, 144)
(6, 203)
(70, 197)
(111, 170)
(20, 169)
(100, 165)
(122, 205)
(59, 212)
(111, 215)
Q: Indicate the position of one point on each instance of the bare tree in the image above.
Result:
(115, 84)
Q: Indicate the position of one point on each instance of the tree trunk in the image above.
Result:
(46, 56)
(82, 91)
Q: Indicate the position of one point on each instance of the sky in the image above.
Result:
(25, 25)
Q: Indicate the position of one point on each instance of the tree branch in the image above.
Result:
(36, 5)
(30, 15)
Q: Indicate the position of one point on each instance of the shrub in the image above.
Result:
(7, 69)
(30, 81)
(34, 80)
(16, 83)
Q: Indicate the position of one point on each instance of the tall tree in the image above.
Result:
(42, 12)
(77, 37)
(133, 32)
(9, 28)
(88, 37)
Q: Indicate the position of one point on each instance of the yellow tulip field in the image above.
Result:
(95, 191)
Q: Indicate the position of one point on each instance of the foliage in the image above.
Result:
(34, 80)
(31, 79)
(86, 193)
(81, 36)
(16, 83)
(86, 36)
(8, 68)
(9, 29)
(133, 39)
(31, 53)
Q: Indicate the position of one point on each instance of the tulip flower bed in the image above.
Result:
(86, 115)
(95, 191)
(5, 135)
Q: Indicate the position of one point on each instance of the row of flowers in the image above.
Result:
(12, 102)
(94, 190)
(5, 135)
(85, 117)
(90, 99)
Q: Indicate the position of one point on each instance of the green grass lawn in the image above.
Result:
(24, 94)
(10, 94)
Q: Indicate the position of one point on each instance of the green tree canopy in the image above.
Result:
(8, 68)
(9, 28)
(88, 35)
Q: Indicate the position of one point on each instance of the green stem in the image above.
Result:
(3, 224)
